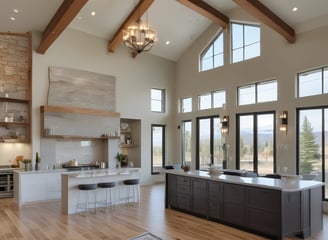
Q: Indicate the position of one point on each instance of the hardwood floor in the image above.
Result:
(45, 221)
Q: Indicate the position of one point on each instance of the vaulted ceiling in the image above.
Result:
(178, 21)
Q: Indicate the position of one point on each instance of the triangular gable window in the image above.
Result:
(212, 56)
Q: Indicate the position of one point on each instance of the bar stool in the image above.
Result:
(86, 188)
(132, 187)
(107, 186)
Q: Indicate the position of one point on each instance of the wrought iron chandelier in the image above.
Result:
(138, 37)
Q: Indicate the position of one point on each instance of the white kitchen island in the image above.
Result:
(36, 186)
(71, 180)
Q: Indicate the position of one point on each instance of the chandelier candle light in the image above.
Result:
(138, 37)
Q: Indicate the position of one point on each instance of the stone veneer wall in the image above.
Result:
(14, 65)
(15, 83)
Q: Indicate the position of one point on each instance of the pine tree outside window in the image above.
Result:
(312, 144)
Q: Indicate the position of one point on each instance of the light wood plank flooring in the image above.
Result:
(45, 221)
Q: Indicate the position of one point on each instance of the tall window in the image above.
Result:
(256, 142)
(312, 144)
(186, 104)
(186, 142)
(157, 148)
(265, 91)
(212, 100)
(314, 82)
(208, 142)
(212, 56)
(246, 41)
(157, 100)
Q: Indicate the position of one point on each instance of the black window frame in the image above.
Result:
(163, 147)
(183, 159)
(211, 138)
(323, 107)
(162, 101)
(255, 140)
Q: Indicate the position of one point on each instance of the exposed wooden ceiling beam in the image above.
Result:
(136, 13)
(208, 11)
(265, 15)
(64, 15)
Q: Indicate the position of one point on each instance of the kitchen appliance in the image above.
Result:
(6, 181)
(102, 165)
(73, 163)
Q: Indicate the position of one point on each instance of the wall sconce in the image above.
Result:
(225, 125)
(283, 121)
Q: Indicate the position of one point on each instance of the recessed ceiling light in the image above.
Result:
(79, 17)
(12, 18)
(93, 13)
(15, 10)
(167, 42)
(295, 9)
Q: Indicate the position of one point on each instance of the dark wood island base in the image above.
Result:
(268, 207)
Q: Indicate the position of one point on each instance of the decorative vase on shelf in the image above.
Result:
(122, 159)
(27, 164)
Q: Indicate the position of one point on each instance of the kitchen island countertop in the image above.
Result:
(279, 184)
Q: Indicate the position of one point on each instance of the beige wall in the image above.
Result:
(279, 60)
(134, 79)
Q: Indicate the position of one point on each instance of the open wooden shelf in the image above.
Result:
(77, 110)
(79, 137)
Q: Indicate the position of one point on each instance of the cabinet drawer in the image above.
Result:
(264, 199)
(264, 221)
(184, 189)
(183, 185)
(234, 213)
(233, 193)
(183, 180)
(183, 201)
(214, 190)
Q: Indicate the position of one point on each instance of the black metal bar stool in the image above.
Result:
(107, 186)
(86, 188)
(132, 187)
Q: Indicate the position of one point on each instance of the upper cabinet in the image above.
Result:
(15, 87)
(73, 122)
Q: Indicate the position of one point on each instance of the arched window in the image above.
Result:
(212, 56)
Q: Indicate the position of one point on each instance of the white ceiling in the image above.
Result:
(171, 20)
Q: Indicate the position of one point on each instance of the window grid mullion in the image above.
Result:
(322, 80)
(244, 42)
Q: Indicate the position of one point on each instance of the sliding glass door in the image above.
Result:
(256, 142)
(157, 148)
(312, 144)
(209, 143)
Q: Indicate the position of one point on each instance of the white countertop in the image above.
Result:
(102, 172)
(283, 185)
(83, 173)
(22, 171)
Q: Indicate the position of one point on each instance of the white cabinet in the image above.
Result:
(37, 186)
